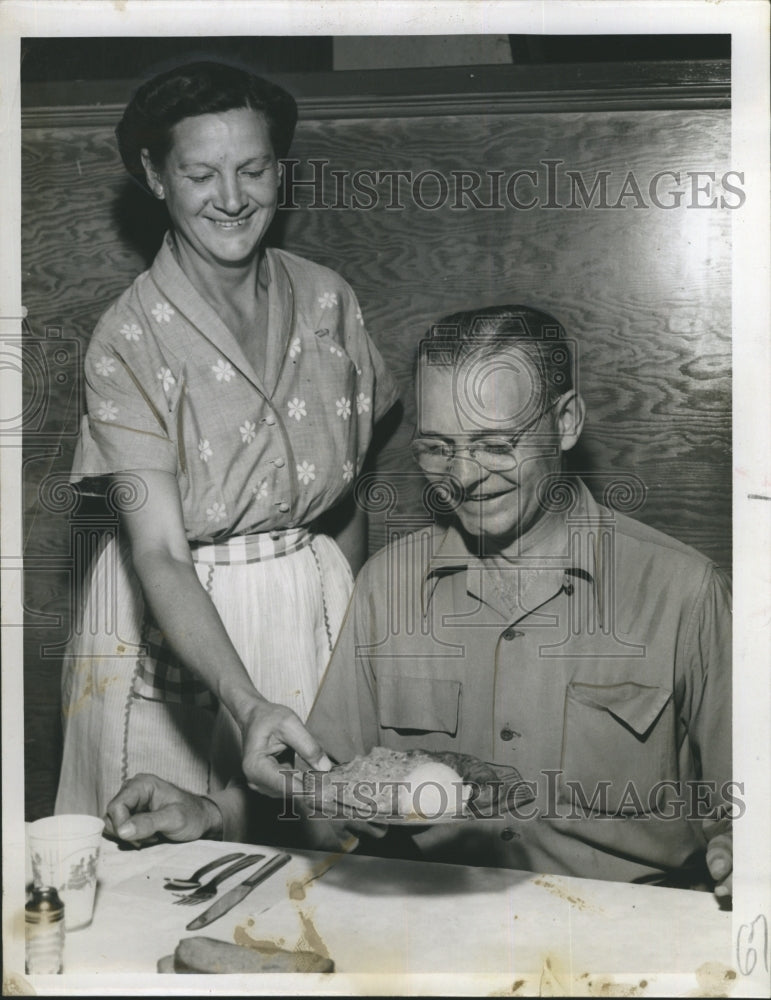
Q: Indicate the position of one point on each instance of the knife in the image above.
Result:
(234, 896)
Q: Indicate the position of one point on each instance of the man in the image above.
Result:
(539, 631)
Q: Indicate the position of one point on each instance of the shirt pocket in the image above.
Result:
(418, 704)
(616, 746)
(332, 350)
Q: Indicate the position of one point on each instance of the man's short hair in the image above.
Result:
(481, 334)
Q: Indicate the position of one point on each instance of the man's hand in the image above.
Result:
(720, 861)
(337, 835)
(720, 855)
(269, 729)
(147, 806)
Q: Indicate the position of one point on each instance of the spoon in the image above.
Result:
(194, 882)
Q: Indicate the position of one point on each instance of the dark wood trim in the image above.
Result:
(446, 91)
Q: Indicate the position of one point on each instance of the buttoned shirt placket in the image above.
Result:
(281, 316)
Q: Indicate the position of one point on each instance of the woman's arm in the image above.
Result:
(193, 628)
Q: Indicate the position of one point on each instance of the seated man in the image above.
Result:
(538, 630)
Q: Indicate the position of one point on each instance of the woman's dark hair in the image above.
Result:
(198, 88)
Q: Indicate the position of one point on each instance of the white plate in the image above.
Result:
(343, 811)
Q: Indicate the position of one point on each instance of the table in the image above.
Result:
(400, 927)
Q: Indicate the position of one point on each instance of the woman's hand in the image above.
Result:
(188, 618)
(267, 730)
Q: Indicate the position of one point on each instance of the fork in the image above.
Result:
(194, 882)
(209, 890)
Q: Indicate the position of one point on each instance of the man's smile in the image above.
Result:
(488, 497)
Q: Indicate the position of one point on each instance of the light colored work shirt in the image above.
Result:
(598, 660)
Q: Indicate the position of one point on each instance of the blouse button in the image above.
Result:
(507, 834)
(507, 734)
(283, 506)
(512, 633)
(279, 463)
(270, 420)
(275, 535)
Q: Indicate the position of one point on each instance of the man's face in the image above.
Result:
(493, 398)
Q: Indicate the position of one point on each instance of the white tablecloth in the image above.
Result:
(398, 927)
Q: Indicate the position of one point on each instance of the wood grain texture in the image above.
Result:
(645, 292)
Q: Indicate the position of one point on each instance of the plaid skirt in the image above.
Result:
(128, 703)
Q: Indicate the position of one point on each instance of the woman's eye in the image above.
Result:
(200, 179)
(254, 173)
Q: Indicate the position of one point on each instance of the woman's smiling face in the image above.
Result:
(220, 183)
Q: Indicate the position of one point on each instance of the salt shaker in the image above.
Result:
(44, 919)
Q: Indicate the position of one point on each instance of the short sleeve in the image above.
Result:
(128, 419)
(343, 717)
(707, 661)
(378, 388)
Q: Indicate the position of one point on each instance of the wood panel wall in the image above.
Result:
(644, 290)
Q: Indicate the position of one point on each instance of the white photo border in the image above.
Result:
(747, 22)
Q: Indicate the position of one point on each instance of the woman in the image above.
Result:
(234, 388)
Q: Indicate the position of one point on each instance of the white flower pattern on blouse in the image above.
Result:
(107, 410)
(227, 434)
(363, 403)
(162, 312)
(306, 472)
(223, 370)
(131, 331)
(104, 366)
(166, 379)
(217, 512)
(296, 408)
(248, 430)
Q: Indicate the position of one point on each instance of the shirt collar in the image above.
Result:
(189, 303)
(545, 553)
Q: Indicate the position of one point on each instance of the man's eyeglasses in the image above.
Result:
(494, 453)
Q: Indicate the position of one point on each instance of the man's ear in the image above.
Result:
(570, 419)
(154, 181)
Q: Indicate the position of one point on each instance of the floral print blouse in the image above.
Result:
(169, 388)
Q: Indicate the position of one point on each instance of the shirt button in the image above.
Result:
(283, 506)
(270, 420)
(275, 535)
(507, 734)
(279, 463)
(507, 834)
(512, 633)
